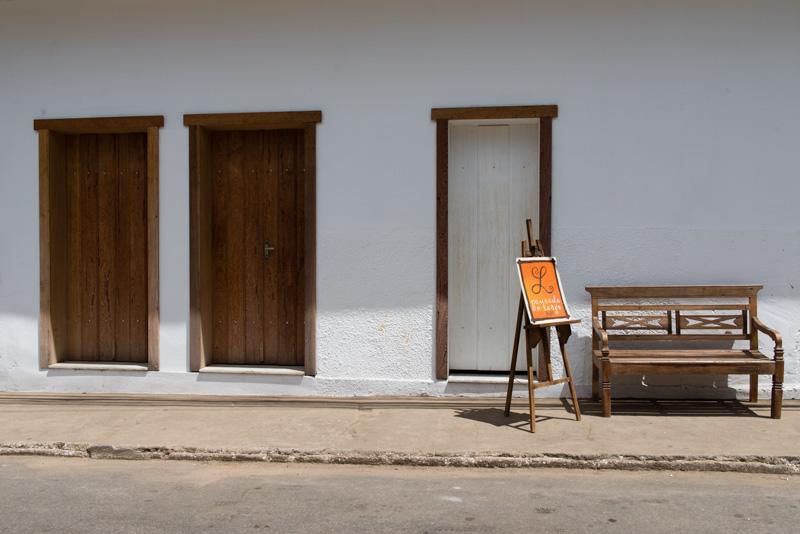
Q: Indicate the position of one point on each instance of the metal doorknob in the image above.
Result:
(267, 249)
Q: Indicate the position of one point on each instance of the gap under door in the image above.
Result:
(493, 187)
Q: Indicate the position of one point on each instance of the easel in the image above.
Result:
(534, 334)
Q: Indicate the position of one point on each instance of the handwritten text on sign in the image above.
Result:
(542, 289)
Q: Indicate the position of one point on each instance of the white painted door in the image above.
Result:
(493, 186)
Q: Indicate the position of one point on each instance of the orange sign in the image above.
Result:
(541, 287)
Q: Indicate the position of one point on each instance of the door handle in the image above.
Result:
(267, 249)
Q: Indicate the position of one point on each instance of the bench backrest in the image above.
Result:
(676, 312)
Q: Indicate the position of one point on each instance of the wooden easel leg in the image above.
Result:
(514, 353)
(544, 357)
(542, 368)
(564, 331)
(531, 389)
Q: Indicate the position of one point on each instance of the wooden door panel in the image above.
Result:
(271, 217)
(494, 255)
(107, 240)
(231, 172)
(74, 251)
(257, 300)
(284, 260)
(137, 184)
(218, 148)
(253, 176)
(492, 189)
(106, 251)
(462, 252)
(87, 170)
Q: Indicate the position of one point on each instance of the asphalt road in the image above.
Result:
(40, 495)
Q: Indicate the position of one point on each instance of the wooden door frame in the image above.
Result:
(47, 128)
(199, 126)
(443, 116)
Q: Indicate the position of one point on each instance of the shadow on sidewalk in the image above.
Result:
(625, 407)
(517, 420)
(675, 407)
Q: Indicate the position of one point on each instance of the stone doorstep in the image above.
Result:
(784, 465)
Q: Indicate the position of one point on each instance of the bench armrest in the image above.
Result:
(601, 334)
(771, 332)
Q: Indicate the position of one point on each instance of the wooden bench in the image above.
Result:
(662, 315)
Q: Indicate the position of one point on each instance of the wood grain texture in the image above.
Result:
(137, 174)
(462, 249)
(442, 116)
(258, 298)
(286, 240)
(270, 222)
(635, 322)
(152, 222)
(253, 178)
(677, 336)
(59, 319)
(494, 250)
(107, 223)
(200, 260)
(690, 291)
(94, 195)
(710, 326)
(711, 322)
(493, 182)
(254, 121)
(441, 248)
(124, 251)
(89, 233)
(74, 255)
(670, 307)
(309, 259)
(47, 352)
(545, 183)
(196, 349)
(494, 112)
(219, 245)
(98, 125)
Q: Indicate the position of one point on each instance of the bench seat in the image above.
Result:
(671, 361)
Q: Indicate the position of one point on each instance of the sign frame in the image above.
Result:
(567, 318)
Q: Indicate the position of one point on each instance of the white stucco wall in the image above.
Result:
(675, 156)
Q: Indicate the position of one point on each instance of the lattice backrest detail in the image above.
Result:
(726, 322)
(636, 322)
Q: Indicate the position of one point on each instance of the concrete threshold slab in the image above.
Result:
(785, 465)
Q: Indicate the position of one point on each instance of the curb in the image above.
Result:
(784, 465)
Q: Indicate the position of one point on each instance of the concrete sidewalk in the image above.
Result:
(697, 435)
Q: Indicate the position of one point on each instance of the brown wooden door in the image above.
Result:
(103, 199)
(257, 247)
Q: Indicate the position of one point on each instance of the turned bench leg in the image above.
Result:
(595, 382)
(754, 387)
(777, 384)
(605, 371)
(777, 399)
(777, 394)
